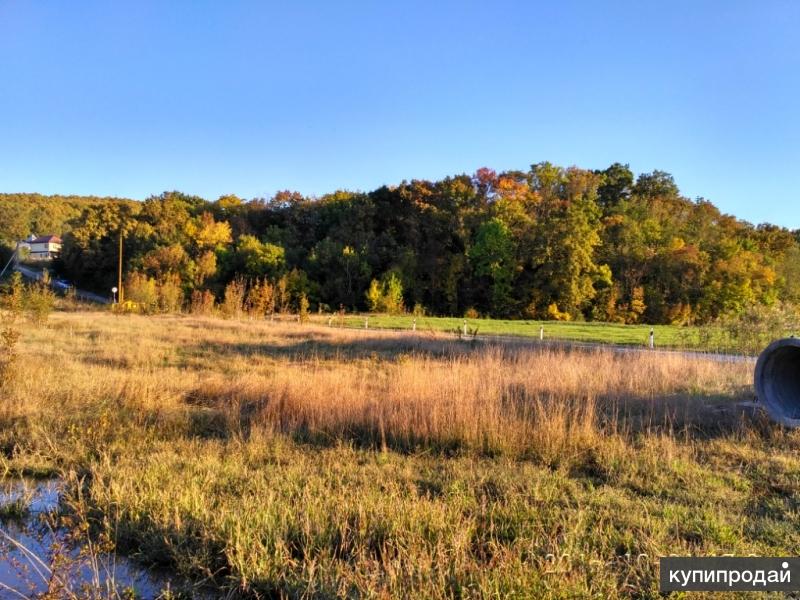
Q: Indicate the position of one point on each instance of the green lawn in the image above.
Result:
(666, 336)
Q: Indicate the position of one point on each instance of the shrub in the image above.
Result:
(14, 297)
(302, 310)
(9, 335)
(386, 295)
(202, 302)
(374, 296)
(554, 314)
(142, 290)
(233, 302)
(170, 294)
(758, 326)
(260, 298)
(40, 299)
(282, 295)
(392, 294)
(71, 302)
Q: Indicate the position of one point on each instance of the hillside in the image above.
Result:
(23, 214)
(548, 243)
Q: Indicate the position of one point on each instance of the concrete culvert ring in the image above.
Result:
(778, 381)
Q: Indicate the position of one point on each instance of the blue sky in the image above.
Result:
(134, 98)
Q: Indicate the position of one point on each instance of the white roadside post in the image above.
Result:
(366, 322)
(541, 333)
(414, 324)
(465, 327)
(652, 338)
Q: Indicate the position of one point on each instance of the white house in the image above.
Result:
(44, 247)
(26, 243)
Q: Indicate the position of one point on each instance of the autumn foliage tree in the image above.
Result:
(548, 242)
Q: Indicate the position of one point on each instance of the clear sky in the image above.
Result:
(134, 98)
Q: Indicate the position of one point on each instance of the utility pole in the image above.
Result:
(10, 260)
(119, 269)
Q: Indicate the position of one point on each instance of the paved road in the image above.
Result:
(80, 294)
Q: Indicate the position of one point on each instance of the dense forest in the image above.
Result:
(550, 242)
(24, 214)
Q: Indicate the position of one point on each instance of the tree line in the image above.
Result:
(546, 243)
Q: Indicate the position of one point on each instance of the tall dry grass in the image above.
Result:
(234, 452)
(378, 389)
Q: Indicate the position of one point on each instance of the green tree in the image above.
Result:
(90, 250)
(259, 259)
(492, 257)
(552, 242)
(567, 235)
(615, 187)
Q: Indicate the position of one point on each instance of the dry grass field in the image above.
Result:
(286, 460)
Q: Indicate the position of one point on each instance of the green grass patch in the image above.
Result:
(666, 336)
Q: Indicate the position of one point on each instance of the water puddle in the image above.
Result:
(37, 559)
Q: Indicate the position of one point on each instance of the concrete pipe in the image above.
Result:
(778, 381)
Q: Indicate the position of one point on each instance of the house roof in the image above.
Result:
(45, 239)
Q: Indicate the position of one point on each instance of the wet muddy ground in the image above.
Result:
(40, 557)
